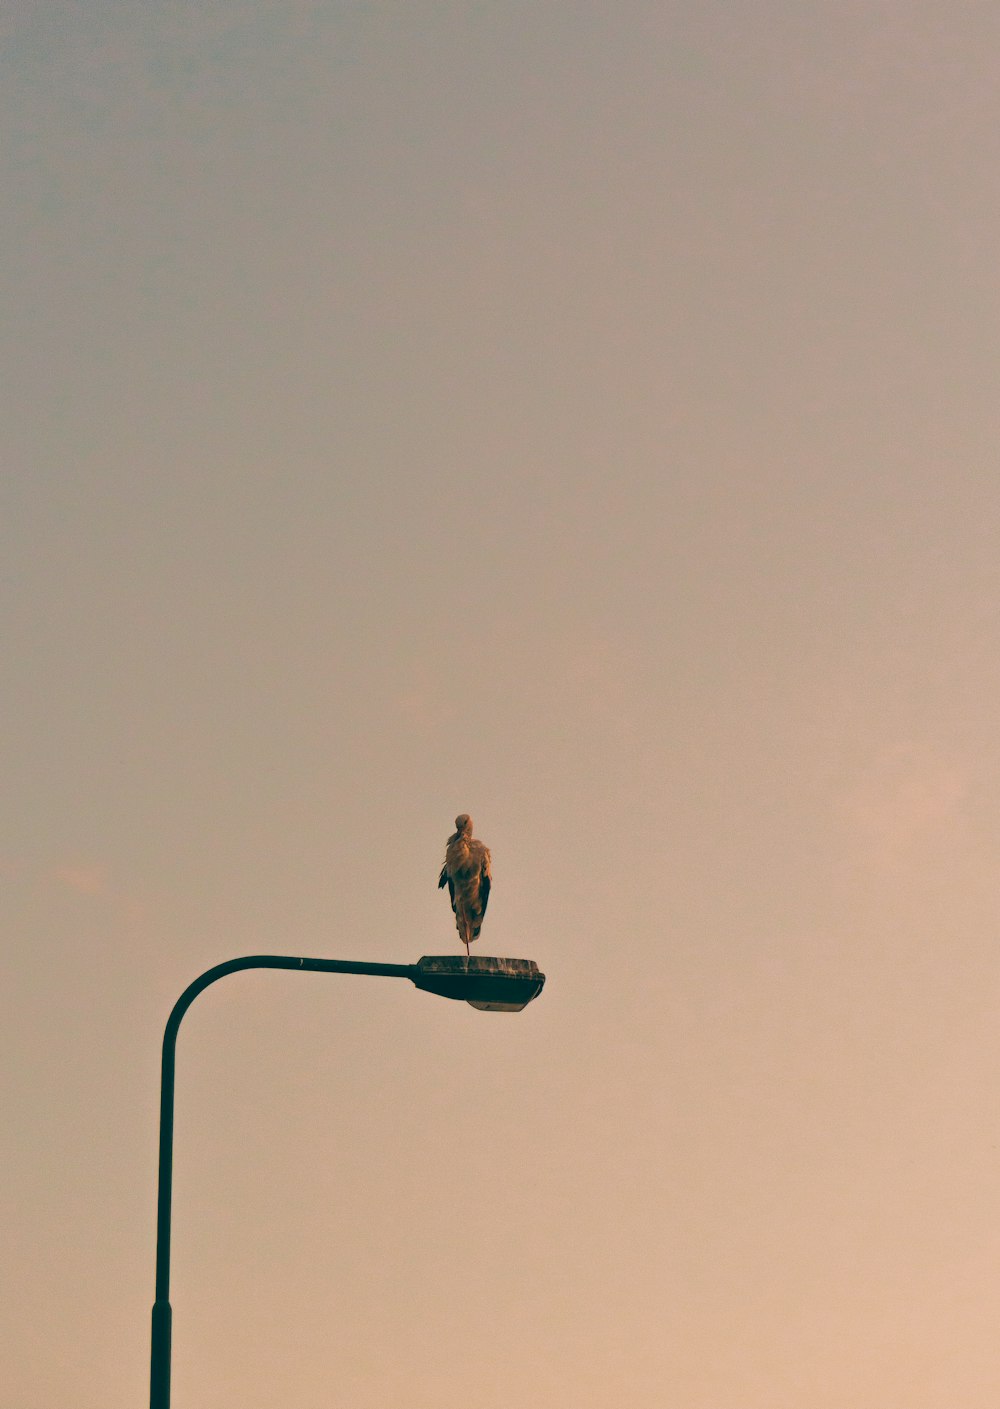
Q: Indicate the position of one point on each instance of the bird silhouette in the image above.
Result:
(466, 873)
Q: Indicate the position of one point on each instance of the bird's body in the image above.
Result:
(466, 873)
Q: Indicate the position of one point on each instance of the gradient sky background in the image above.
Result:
(581, 415)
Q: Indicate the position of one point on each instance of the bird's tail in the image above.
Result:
(468, 930)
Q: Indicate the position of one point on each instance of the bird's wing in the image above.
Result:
(445, 880)
(485, 880)
(484, 889)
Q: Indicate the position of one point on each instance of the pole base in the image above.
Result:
(159, 1365)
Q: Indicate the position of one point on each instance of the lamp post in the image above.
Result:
(493, 985)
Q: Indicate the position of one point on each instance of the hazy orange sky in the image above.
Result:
(583, 416)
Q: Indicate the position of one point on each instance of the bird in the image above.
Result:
(466, 873)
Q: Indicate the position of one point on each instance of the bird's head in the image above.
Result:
(463, 822)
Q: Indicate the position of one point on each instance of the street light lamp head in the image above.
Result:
(492, 985)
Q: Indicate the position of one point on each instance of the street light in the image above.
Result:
(493, 985)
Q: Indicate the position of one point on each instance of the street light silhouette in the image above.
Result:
(493, 985)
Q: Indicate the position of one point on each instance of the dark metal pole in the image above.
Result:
(159, 1375)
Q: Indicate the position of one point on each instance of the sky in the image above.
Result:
(585, 417)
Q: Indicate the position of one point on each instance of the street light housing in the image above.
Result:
(492, 985)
